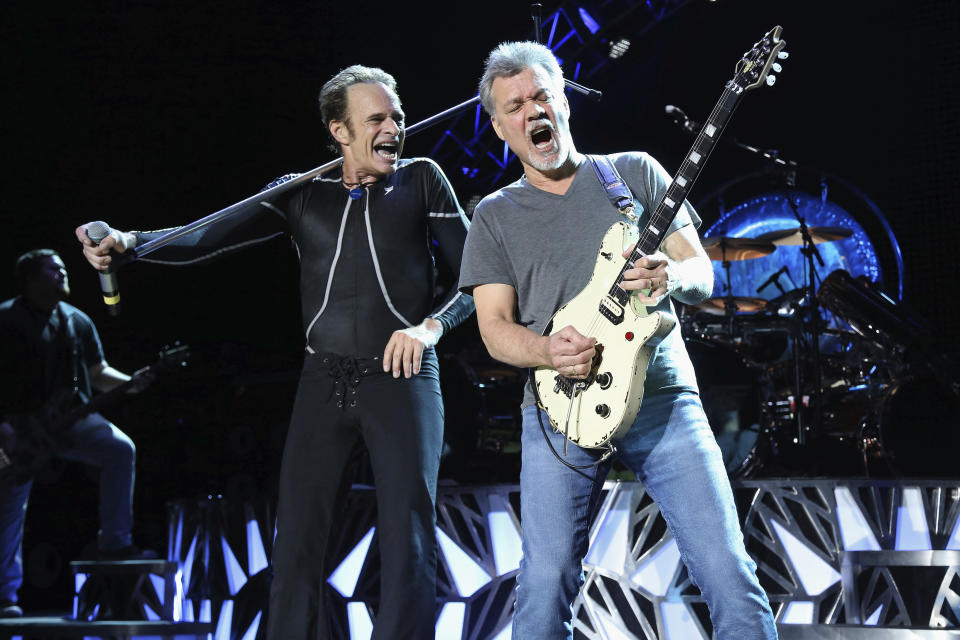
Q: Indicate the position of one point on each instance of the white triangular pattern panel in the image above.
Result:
(815, 574)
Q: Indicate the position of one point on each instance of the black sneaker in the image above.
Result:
(129, 552)
(10, 609)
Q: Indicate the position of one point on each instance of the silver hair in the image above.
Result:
(511, 58)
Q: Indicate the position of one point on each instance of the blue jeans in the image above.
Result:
(91, 440)
(673, 452)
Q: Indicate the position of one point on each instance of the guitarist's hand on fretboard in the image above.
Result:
(649, 272)
(141, 379)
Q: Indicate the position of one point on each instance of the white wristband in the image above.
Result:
(124, 239)
(423, 334)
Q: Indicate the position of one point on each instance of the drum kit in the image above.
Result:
(820, 380)
(831, 376)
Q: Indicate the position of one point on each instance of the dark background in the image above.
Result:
(150, 114)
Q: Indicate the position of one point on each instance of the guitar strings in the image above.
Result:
(645, 235)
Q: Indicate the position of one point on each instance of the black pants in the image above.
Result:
(401, 423)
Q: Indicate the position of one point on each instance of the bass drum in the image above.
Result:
(731, 393)
(919, 428)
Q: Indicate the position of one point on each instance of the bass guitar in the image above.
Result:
(37, 435)
(592, 411)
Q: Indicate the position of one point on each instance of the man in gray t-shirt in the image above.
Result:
(510, 246)
(531, 249)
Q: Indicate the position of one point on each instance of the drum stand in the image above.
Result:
(729, 306)
(809, 251)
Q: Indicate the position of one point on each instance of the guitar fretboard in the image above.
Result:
(651, 235)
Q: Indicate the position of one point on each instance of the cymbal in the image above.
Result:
(793, 236)
(718, 306)
(737, 248)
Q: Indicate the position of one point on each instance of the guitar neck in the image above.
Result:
(97, 403)
(651, 236)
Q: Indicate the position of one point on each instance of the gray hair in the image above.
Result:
(511, 58)
(333, 95)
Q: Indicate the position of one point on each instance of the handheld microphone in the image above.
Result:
(97, 231)
(678, 116)
(774, 279)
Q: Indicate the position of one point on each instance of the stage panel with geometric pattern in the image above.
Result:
(828, 552)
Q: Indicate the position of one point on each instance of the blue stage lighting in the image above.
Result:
(588, 21)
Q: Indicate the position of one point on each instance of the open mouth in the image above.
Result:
(542, 137)
(387, 150)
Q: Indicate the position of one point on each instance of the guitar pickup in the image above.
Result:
(611, 310)
(619, 294)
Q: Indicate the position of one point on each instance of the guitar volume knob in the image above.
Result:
(604, 379)
(603, 410)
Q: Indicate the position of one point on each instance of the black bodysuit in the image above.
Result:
(366, 270)
(366, 265)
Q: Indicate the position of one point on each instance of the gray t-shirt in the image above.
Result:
(545, 245)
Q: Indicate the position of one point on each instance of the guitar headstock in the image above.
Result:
(758, 65)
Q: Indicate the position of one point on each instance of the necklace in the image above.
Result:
(355, 190)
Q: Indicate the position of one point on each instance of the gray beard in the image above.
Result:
(550, 165)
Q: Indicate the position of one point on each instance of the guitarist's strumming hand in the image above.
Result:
(571, 353)
(653, 272)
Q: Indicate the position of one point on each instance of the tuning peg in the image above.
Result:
(783, 55)
(776, 67)
(771, 80)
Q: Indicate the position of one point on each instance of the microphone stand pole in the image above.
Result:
(272, 192)
(693, 127)
(536, 12)
(254, 200)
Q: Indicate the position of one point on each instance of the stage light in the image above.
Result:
(609, 549)
(798, 612)
(912, 531)
(344, 577)
(874, 617)
(854, 528)
(588, 21)
(678, 623)
(358, 619)
(815, 574)
(450, 622)
(504, 536)
(256, 552)
(468, 576)
(618, 48)
(656, 574)
(236, 577)
(472, 204)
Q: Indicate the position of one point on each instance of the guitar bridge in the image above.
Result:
(569, 386)
(563, 385)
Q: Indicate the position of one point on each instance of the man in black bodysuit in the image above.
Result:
(363, 233)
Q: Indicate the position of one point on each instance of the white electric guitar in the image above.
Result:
(592, 411)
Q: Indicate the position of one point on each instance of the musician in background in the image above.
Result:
(51, 360)
(367, 234)
(531, 248)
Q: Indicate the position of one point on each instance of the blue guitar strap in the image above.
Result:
(616, 189)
